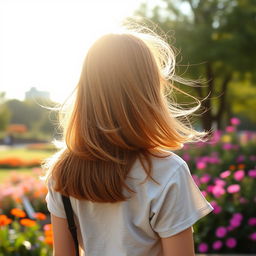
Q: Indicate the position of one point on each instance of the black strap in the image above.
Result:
(71, 222)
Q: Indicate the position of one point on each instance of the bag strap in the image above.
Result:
(71, 222)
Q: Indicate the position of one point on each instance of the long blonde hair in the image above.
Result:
(120, 113)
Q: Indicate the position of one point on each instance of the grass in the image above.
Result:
(24, 153)
(5, 173)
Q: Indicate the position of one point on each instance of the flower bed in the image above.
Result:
(17, 162)
(225, 171)
(19, 185)
(20, 235)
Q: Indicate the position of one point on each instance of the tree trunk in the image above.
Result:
(207, 118)
(223, 101)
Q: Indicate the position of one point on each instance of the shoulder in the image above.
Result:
(166, 168)
(163, 170)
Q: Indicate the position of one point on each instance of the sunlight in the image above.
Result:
(44, 43)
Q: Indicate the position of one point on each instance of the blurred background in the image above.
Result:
(42, 48)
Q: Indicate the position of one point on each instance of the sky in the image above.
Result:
(43, 43)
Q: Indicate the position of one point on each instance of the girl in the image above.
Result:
(131, 194)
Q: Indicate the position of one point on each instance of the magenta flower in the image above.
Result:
(253, 236)
(252, 173)
(218, 191)
(185, 146)
(219, 182)
(186, 157)
(216, 208)
(233, 188)
(227, 146)
(230, 228)
(214, 160)
(252, 221)
(203, 247)
(234, 121)
(239, 175)
(210, 188)
(221, 232)
(216, 137)
(231, 242)
(204, 193)
(225, 174)
(200, 165)
(230, 129)
(205, 178)
(240, 158)
(217, 245)
(238, 216)
(235, 222)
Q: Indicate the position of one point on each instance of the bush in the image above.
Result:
(225, 171)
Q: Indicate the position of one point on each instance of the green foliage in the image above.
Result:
(216, 40)
(37, 117)
(4, 113)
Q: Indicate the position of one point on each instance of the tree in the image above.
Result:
(33, 115)
(220, 35)
(4, 113)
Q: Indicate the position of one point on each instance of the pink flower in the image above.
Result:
(227, 146)
(252, 221)
(233, 188)
(230, 228)
(243, 200)
(204, 193)
(216, 208)
(219, 182)
(216, 137)
(221, 232)
(200, 165)
(230, 129)
(217, 245)
(210, 188)
(238, 216)
(253, 236)
(231, 242)
(240, 158)
(203, 247)
(234, 121)
(186, 157)
(205, 178)
(239, 175)
(252, 173)
(218, 191)
(235, 223)
(225, 174)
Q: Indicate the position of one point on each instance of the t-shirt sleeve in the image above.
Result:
(54, 202)
(179, 205)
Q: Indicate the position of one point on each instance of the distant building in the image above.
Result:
(33, 93)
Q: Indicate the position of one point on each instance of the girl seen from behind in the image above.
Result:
(130, 193)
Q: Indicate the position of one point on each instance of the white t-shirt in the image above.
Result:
(134, 227)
